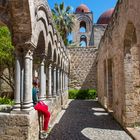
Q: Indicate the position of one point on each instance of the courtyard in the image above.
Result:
(86, 120)
(102, 60)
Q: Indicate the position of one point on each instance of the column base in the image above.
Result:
(27, 107)
(17, 107)
(54, 95)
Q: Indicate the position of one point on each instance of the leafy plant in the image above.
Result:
(6, 57)
(6, 101)
(63, 19)
(82, 94)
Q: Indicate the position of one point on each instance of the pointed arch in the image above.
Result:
(131, 66)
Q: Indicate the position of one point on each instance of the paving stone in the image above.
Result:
(86, 120)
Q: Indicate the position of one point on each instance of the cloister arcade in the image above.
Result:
(36, 44)
(40, 55)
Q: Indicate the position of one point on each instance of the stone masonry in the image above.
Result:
(82, 68)
(118, 64)
(36, 43)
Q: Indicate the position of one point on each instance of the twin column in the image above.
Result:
(23, 80)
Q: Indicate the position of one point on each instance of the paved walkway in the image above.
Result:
(86, 120)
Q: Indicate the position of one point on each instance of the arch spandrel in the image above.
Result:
(37, 31)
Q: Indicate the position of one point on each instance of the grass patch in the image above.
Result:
(82, 94)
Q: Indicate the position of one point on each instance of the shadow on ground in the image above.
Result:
(84, 120)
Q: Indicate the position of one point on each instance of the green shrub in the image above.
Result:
(92, 94)
(5, 100)
(72, 94)
(82, 94)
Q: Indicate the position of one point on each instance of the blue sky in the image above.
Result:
(96, 6)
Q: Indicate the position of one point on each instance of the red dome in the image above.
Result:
(105, 17)
(82, 9)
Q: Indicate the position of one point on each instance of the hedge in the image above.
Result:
(82, 94)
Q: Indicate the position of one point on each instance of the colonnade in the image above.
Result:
(53, 79)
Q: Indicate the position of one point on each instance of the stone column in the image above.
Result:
(42, 95)
(27, 96)
(62, 89)
(67, 81)
(64, 81)
(54, 81)
(65, 88)
(17, 96)
(50, 81)
(58, 81)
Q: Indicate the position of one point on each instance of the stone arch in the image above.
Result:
(41, 44)
(54, 56)
(131, 70)
(42, 12)
(40, 28)
(83, 26)
(83, 41)
(87, 20)
(49, 52)
(51, 37)
(55, 39)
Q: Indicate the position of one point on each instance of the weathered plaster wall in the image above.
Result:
(118, 62)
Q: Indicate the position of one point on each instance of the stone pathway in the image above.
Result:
(86, 120)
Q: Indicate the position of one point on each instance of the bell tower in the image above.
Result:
(82, 32)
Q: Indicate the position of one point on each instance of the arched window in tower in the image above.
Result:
(83, 41)
(83, 26)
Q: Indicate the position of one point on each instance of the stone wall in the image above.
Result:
(118, 64)
(26, 126)
(82, 68)
(98, 33)
(19, 126)
(5, 89)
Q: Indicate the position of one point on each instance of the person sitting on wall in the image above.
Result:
(35, 91)
(41, 107)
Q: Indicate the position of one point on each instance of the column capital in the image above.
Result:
(42, 59)
(54, 65)
(43, 56)
(28, 53)
(50, 65)
(54, 68)
(50, 61)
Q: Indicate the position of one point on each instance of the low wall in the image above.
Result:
(26, 126)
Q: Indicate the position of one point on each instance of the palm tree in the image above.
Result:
(64, 21)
